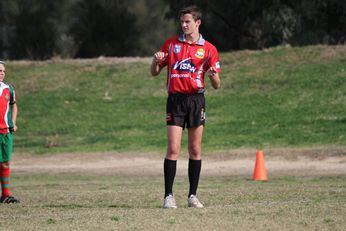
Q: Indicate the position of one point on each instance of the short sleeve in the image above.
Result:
(214, 59)
(13, 99)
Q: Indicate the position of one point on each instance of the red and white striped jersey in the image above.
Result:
(187, 63)
(7, 98)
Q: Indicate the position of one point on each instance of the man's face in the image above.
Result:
(188, 24)
(2, 72)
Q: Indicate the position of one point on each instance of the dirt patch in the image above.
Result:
(332, 51)
(306, 162)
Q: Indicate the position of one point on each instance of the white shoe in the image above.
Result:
(194, 202)
(169, 202)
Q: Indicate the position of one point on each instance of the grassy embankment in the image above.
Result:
(282, 97)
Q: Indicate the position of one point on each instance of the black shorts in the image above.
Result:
(185, 110)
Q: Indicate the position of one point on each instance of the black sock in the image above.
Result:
(194, 172)
(169, 168)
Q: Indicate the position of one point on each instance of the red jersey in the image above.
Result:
(187, 62)
(7, 98)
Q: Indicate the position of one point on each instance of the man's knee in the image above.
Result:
(173, 151)
(195, 152)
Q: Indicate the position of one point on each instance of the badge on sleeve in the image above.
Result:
(217, 65)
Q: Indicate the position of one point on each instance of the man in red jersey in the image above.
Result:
(188, 58)
(8, 116)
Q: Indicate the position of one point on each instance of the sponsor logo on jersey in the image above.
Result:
(217, 65)
(177, 48)
(180, 75)
(7, 97)
(184, 65)
(200, 53)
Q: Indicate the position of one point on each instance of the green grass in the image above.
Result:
(277, 98)
(66, 202)
(282, 97)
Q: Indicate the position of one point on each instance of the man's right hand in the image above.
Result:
(159, 57)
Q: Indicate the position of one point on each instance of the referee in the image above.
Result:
(188, 58)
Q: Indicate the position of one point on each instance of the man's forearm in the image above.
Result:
(154, 68)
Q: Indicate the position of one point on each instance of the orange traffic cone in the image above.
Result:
(260, 172)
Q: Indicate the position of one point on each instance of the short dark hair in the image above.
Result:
(195, 11)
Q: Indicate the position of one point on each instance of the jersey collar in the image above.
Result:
(200, 40)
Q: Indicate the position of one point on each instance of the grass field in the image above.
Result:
(282, 97)
(81, 202)
(278, 99)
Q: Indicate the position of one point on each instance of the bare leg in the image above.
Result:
(195, 142)
(174, 134)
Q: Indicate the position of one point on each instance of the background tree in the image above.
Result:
(8, 12)
(104, 27)
(255, 24)
(153, 25)
(40, 29)
(36, 29)
(321, 21)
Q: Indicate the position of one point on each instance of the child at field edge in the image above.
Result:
(8, 116)
(188, 58)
